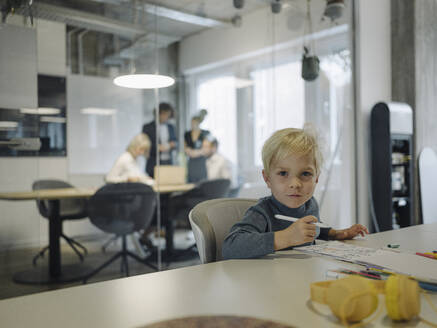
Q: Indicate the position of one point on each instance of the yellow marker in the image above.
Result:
(432, 254)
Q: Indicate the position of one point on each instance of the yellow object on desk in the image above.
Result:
(354, 298)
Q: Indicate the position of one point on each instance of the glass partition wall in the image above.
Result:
(238, 81)
(254, 87)
(21, 125)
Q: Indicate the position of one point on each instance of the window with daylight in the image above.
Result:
(279, 102)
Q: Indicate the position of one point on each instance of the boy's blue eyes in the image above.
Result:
(305, 174)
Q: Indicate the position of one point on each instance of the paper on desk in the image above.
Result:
(410, 264)
(420, 267)
(339, 250)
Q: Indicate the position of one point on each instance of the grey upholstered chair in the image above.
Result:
(180, 206)
(211, 221)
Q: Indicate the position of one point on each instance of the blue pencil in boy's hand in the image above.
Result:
(289, 218)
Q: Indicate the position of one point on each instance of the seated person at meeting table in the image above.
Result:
(126, 168)
(217, 166)
(292, 161)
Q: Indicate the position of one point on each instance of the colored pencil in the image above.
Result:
(426, 255)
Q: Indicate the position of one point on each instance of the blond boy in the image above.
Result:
(292, 162)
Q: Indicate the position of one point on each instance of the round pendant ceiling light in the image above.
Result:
(144, 81)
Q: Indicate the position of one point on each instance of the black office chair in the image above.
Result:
(196, 169)
(180, 206)
(121, 209)
(69, 209)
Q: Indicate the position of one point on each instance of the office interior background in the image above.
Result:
(242, 65)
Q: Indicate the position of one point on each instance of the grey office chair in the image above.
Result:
(211, 221)
(180, 206)
(121, 209)
(69, 209)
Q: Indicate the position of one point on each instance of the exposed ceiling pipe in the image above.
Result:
(85, 20)
(183, 17)
(69, 34)
(172, 14)
(141, 47)
(80, 49)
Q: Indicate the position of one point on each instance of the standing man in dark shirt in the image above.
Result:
(166, 139)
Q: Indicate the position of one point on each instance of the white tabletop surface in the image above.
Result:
(65, 193)
(419, 238)
(275, 288)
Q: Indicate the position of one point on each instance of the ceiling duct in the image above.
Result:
(173, 14)
(85, 20)
(183, 17)
(143, 46)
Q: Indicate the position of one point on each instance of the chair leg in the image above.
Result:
(121, 265)
(69, 242)
(104, 265)
(124, 256)
(40, 254)
(109, 242)
(126, 267)
(75, 242)
(139, 259)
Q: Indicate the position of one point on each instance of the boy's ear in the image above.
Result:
(266, 178)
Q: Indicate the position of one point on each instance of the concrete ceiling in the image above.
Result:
(172, 18)
(142, 24)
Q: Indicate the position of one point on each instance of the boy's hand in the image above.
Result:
(355, 230)
(300, 232)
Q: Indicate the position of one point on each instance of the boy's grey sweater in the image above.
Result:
(253, 236)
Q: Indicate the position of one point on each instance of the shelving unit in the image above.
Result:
(392, 165)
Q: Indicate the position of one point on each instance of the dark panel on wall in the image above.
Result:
(47, 122)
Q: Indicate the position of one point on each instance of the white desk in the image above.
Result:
(274, 288)
(420, 238)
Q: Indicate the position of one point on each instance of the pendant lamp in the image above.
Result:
(136, 80)
(144, 81)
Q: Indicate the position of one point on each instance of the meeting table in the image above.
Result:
(55, 273)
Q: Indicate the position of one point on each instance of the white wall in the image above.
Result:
(20, 223)
(373, 71)
(18, 67)
(51, 52)
(26, 51)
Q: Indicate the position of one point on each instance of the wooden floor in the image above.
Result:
(12, 261)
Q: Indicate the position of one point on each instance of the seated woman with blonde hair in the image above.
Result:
(126, 168)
